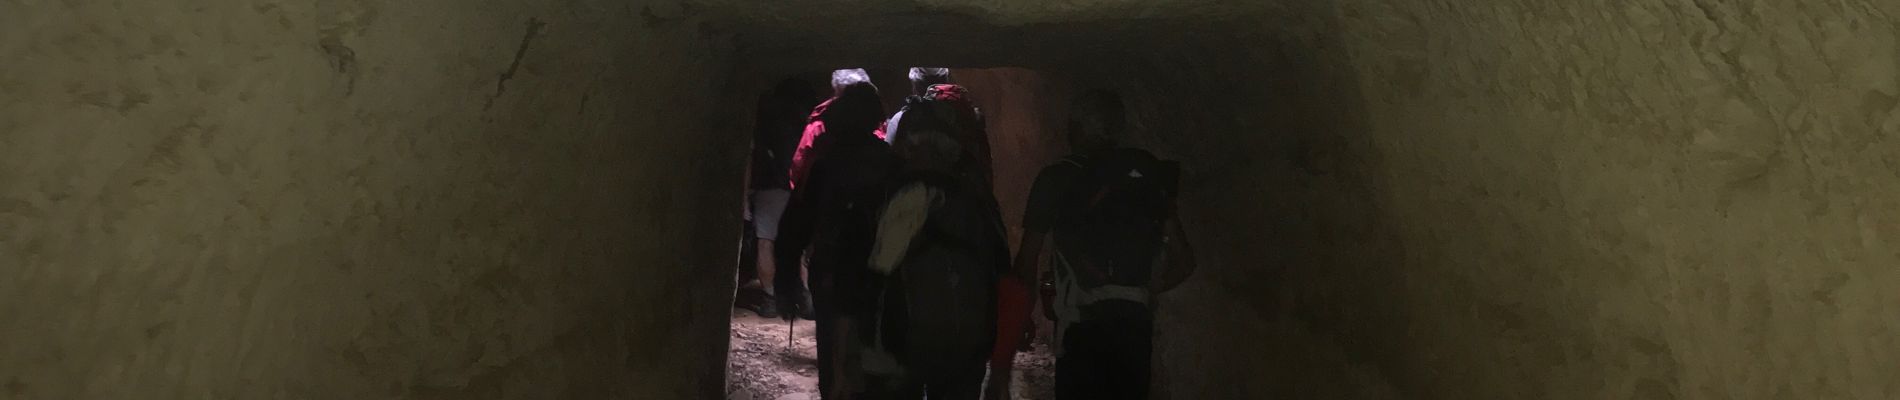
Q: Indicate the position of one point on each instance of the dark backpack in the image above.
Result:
(937, 312)
(948, 105)
(852, 181)
(1114, 226)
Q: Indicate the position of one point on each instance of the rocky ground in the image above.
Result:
(762, 365)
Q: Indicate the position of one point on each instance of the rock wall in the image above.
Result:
(364, 199)
(1019, 106)
(1513, 200)
(1649, 200)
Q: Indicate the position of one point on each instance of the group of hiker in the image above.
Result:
(906, 265)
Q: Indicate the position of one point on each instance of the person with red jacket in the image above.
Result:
(807, 151)
(837, 177)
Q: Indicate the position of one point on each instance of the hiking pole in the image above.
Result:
(789, 334)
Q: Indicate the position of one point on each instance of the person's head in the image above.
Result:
(1097, 121)
(856, 108)
(840, 79)
(922, 78)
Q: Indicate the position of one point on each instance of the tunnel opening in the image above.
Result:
(769, 358)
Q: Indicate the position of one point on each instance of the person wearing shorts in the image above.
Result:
(768, 205)
(780, 125)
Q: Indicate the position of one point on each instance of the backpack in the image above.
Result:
(949, 104)
(853, 181)
(1112, 231)
(937, 310)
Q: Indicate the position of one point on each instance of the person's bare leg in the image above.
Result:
(766, 266)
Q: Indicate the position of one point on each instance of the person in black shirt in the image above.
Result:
(1108, 213)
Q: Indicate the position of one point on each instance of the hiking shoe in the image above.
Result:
(805, 309)
(764, 307)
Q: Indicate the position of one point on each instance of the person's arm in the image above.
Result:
(803, 155)
(1029, 266)
(745, 202)
(1015, 297)
(1046, 200)
(796, 226)
(1180, 257)
(1013, 317)
(751, 164)
(1028, 263)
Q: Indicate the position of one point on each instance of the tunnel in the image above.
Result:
(538, 199)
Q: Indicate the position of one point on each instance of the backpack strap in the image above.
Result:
(1073, 160)
(1086, 165)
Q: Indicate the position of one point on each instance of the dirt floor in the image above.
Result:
(761, 366)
